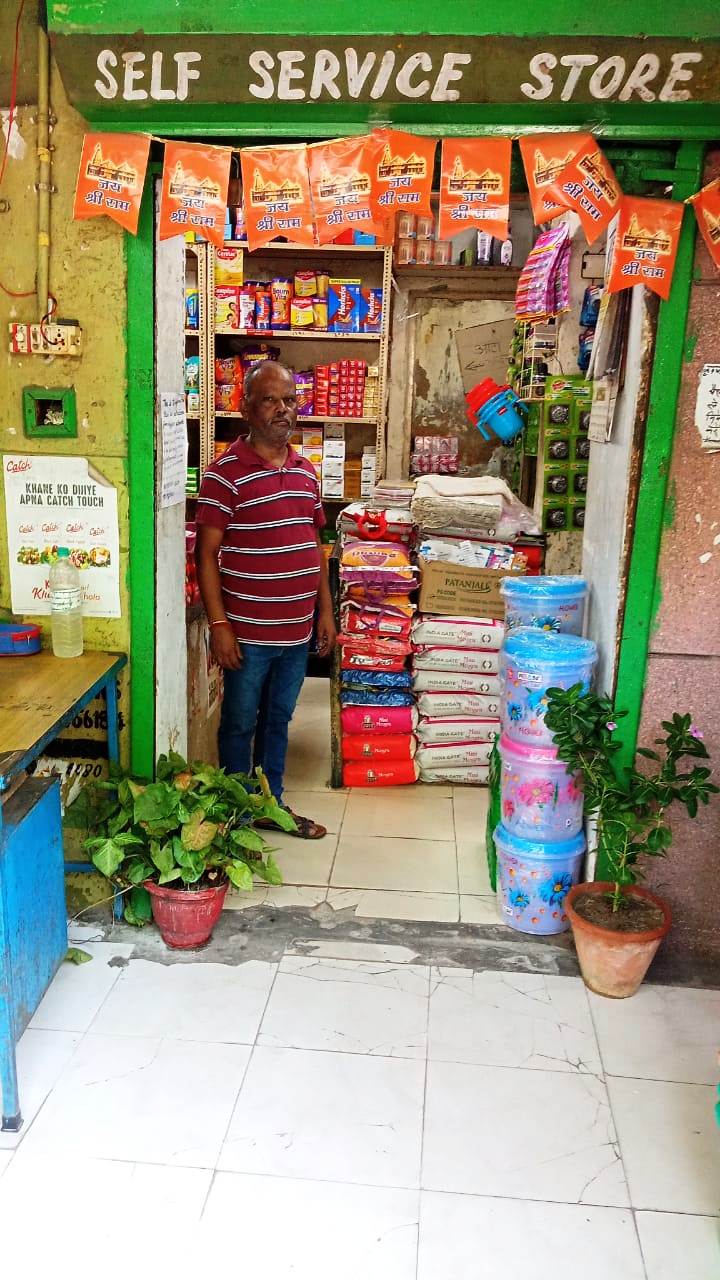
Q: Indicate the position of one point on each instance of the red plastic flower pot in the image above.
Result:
(614, 964)
(186, 917)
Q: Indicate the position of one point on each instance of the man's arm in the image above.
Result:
(326, 618)
(222, 637)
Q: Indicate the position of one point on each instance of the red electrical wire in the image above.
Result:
(12, 293)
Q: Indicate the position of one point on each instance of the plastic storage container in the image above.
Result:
(17, 638)
(534, 878)
(532, 662)
(65, 607)
(550, 603)
(540, 799)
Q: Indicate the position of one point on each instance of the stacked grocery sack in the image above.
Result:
(539, 840)
(377, 714)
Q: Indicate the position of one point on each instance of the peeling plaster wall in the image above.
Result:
(684, 664)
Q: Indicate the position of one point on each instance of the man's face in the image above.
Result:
(270, 406)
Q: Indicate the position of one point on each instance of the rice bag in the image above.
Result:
(378, 746)
(468, 633)
(472, 775)
(376, 698)
(391, 773)
(435, 659)
(460, 729)
(453, 755)
(376, 679)
(452, 704)
(380, 720)
(381, 620)
(456, 682)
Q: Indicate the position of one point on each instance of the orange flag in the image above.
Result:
(341, 187)
(645, 245)
(475, 186)
(111, 176)
(193, 196)
(545, 156)
(707, 211)
(276, 195)
(589, 187)
(402, 173)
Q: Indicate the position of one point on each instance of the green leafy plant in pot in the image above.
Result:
(619, 925)
(174, 846)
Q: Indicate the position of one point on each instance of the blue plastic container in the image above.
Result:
(19, 638)
(533, 880)
(501, 415)
(531, 662)
(550, 603)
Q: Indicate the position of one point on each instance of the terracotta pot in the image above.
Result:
(614, 964)
(186, 917)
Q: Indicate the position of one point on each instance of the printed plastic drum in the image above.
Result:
(531, 662)
(550, 603)
(533, 880)
(540, 799)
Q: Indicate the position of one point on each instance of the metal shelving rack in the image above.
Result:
(196, 343)
(311, 346)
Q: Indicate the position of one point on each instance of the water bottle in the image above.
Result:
(65, 607)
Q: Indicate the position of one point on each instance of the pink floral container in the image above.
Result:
(540, 799)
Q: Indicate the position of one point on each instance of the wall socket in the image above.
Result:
(61, 338)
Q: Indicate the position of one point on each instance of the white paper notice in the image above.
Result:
(173, 437)
(707, 407)
(56, 502)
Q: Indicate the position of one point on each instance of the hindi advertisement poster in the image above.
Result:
(475, 186)
(276, 195)
(111, 177)
(645, 245)
(193, 195)
(53, 502)
(707, 211)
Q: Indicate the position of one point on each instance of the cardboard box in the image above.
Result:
(332, 488)
(333, 468)
(456, 591)
(334, 448)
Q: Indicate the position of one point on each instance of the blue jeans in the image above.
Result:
(258, 704)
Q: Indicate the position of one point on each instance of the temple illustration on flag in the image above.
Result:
(100, 166)
(593, 167)
(712, 225)
(186, 186)
(412, 166)
(268, 192)
(468, 182)
(637, 237)
(546, 171)
(338, 186)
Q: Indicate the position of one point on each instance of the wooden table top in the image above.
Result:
(38, 690)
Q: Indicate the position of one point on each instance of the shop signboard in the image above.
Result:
(53, 502)
(141, 70)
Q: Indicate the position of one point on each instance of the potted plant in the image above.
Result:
(619, 925)
(174, 845)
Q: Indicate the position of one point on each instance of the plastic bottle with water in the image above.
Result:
(65, 607)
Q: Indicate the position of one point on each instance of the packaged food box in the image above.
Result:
(228, 397)
(312, 437)
(227, 306)
(334, 448)
(344, 306)
(229, 265)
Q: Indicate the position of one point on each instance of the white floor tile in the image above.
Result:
(473, 1238)
(473, 872)
(357, 1008)
(317, 1230)
(5, 1158)
(536, 1135)
(511, 1020)
(669, 1143)
(330, 948)
(307, 862)
(140, 1099)
(476, 910)
(470, 812)
(422, 866)
(78, 990)
(41, 1057)
(324, 807)
(334, 1116)
(375, 904)
(282, 895)
(410, 812)
(663, 1033)
(203, 1001)
(677, 1244)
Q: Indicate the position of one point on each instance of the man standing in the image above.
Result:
(261, 574)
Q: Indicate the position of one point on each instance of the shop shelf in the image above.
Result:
(310, 335)
(314, 250)
(307, 417)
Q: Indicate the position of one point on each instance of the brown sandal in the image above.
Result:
(306, 828)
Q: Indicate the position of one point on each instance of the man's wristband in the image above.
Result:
(221, 622)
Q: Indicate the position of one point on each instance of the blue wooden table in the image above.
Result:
(40, 695)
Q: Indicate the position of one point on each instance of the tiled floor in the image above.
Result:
(317, 1118)
(395, 853)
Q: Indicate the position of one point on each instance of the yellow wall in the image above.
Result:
(87, 276)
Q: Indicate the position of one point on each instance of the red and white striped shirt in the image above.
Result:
(269, 559)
